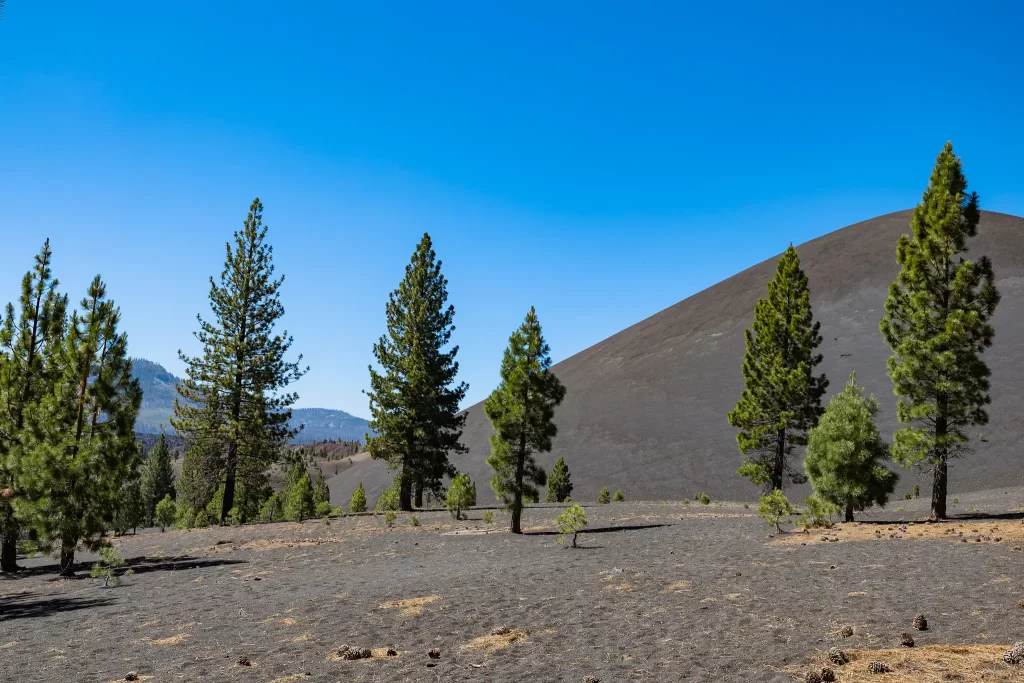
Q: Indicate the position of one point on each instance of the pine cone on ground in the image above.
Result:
(434, 653)
(920, 623)
(1015, 655)
(906, 640)
(812, 677)
(828, 675)
(846, 631)
(837, 656)
(131, 676)
(392, 652)
(244, 661)
(878, 668)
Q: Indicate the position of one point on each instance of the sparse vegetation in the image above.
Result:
(389, 519)
(618, 497)
(559, 485)
(358, 500)
(461, 495)
(775, 508)
(488, 516)
(604, 496)
(702, 498)
(107, 568)
(572, 520)
(166, 512)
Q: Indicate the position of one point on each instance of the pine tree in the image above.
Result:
(232, 399)
(358, 501)
(846, 456)
(522, 411)
(81, 447)
(781, 400)
(198, 482)
(937, 324)
(299, 502)
(414, 400)
(461, 495)
(166, 511)
(559, 486)
(321, 495)
(27, 342)
(157, 478)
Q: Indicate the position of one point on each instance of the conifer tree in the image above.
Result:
(522, 411)
(157, 478)
(233, 399)
(846, 456)
(414, 398)
(28, 338)
(166, 511)
(299, 503)
(937, 323)
(321, 494)
(358, 501)
(781, 400)
(198, 482)
(81, 435)
(461, 495)
(559, 486)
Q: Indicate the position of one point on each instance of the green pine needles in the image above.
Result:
(846, 455)
(781, 398)
(233, 408)
(461, 495)
(357, 503)
(522, 411)
(937, 323)
(559, 485)
(414, 398)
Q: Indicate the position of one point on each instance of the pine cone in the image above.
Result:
(244, 661)
(920, 623)
(828, 675)
(878, 668)
(131, 676)
(837, 656)
(434, 653)
(1015, 655)
(392, 652)
(812, 677)
(846, 631)
(906, 640)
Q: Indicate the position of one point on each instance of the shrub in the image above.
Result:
(703, 498)
(917, 491)
(489, 517)
(358, 501)
(461, 495)
(389, 497)
(618, 497)
(414, 521)
(202, 519)
(389, 518)
(775, 507)
(604, 497)
(908, 495)
(107, 567)
(559, 486)
(572, 521)
(323, 508)
(818, 513)
(166, 511)
(272, 509)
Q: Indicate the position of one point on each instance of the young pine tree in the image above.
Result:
(358, 501)
(846, 456)
(781, 400)
(81, 447)
(233, 399)
(299, 502)
(559, 486)
(937, 324)
(321, 495)
(522, 411)
(157, 478)
(414, 400)
(461, 495)
(28, 339)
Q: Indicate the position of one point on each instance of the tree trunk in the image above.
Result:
(405, 491)
(849, 511)
(939, 485)
(230, 466)
(419, 493)
(779, 465)
(517, 504)
(67, 558)
(9, 553)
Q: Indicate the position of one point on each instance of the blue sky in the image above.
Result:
(600, 161)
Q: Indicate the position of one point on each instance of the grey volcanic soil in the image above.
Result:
(646, 408)
(616, 609)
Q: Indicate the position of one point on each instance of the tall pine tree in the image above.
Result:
(937, 324)
(781, 400)
(522, 411)
(414, 398)
(232, 399)
(27, 340)
(157, 478)
(81, 448)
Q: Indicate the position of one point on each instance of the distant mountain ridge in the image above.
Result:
(158, 392)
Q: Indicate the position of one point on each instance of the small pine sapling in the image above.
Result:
(775, 507)
(389, 519)
(166, 511)
(703, 498)
(461, 495)
(358, 501)
(414, 520)
(604, 497)
(489, 517)
(618, 497)
(108, 566)
(572, 521)
(818, 513)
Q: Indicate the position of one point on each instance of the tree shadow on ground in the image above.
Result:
(600, 530)
(22, 607)
(951, 519)
(139, 565)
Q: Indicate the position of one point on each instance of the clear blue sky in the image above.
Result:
(600, 161)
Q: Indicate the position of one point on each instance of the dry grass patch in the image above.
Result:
(411, 606)
(967, 532)
(498, 640)
(172, 640)
(138, 677)
(925, 664)
(265, 544)
(680, 586)
(288, 621)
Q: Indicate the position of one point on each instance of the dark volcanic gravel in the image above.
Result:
(658, 592)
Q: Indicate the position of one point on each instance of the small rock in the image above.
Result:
(131, 676)
(434, 653)
(244, 661)
(907, 640)
(920, 623)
